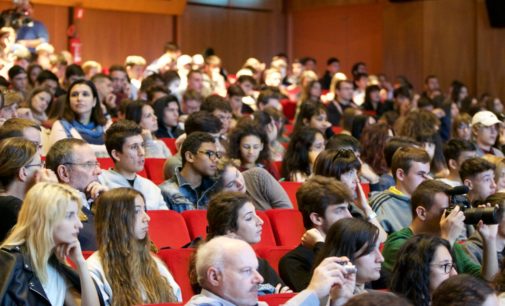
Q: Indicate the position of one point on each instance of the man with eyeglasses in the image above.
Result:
(430, 216)
(76, 165)
(192, 185)
(410, 167)
(21, 127)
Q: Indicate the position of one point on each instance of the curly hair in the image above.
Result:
(127, 262)
(411, 273)
(296, 158)
(248, 128)
(373, 142)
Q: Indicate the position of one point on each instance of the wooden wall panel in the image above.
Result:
(490, 70)
(108, 36)
(351, 33)
(235, 34)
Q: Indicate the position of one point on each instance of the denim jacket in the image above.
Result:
(180, 196)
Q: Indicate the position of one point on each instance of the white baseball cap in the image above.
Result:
(485, 118)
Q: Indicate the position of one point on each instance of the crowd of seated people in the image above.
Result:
(376, 166)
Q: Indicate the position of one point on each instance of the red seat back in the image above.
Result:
(106, 163)
(276, 299)
(267, 235)
(170, 142)
(288, 108)
(177, 261)
(154, 169)
(196, 221)
(288, 129)
(287, 225)
(278, 166)
(336, 129)
(167, 228)
(273, 255)
(291, 188)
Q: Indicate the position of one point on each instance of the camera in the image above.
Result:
(348, 267)
(488, 215)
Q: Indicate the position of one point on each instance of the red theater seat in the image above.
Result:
(273, 255)
(196, 221)
(154, 169)
(291, 188)
(170, 142)
(287, 225)
(276, 299)
(167, 228)
(106, 163)
(267, 235)
(177, 261)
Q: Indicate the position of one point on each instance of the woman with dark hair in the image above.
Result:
(311, 92)
(124, 268)
(38, 102)
(313, 115)
(359, 241)
(461, 127)
(267, 123)
(303, 149)
(249, 143)
(143, 114)
(167, 111)
(33, 72)
(234, 215)
(372, 101)
(82, 118)
(423, 263)
(344, 166)
(373, 142)
(359, 123)
(458, 93)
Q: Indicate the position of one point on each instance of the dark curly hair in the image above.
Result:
(411, 273)
(297, 154)
(243, 129)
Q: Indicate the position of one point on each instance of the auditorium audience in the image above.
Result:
(38, 102)
(456, 151)
(485, 128)
(34, 253)
(123, 267)
(313, 115)
(167, 112)
(125, 146)
(464, 290)
(478, 175)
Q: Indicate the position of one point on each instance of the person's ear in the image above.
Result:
(214, 276)
(453, 164)
(305, 121)
(400, 174)
(468, 183)
(190, 157)
(316, 219)
(116, 155)
(63, 173)
(421, 213)
(23, 174)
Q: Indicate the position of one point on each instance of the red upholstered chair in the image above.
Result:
(167, 228)
(366, 189)
(267, 235)
(273, 255)
(170, 142)
(196, 221)
(106, 163)
(154, 169)
(288, 129)
(288, 108)
(291, 188)
(287, 225)
(278, 166)
(164, 304)
(177, 261)
(276, 299)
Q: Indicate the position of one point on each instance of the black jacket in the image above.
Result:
(19, 284)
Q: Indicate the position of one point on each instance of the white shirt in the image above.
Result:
(56, 287)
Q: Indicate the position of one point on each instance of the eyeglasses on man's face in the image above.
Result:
(212, 155)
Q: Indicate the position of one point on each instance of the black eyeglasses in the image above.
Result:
(213, 155)
(41, 165)
(447, 267)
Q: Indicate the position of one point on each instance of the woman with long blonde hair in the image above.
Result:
(125, 270)
(32, 256)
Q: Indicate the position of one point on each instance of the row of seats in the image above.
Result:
(170, 229)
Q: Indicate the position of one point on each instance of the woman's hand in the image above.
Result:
(72, 251)
(147, 135)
